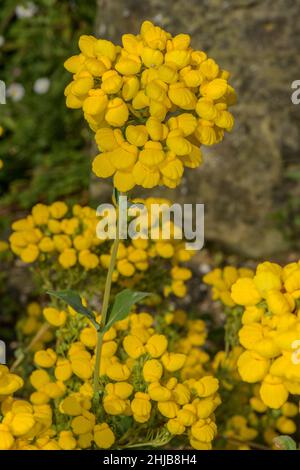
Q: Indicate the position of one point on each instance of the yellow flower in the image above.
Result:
(121, 389)
(117, 112)
(158, 393)
(175, 427)
(289, 410)
(88, 260)
(95, 104)
(118, 372)
(88, 337)
(169, 409)
(55, 317)
(181, 394)
(252, 367)
(21, 423)
(151, 76)
(114, 405)
(67, 258)
(111, 82)
(204, 430)
(279, 303)
(273, 392)
(81, 425)
(244, 292)
(70, 406)
(206, 406)
(29, 254)
(103, 436)
(40, 214)
(266, 281)
(58, 210)
(45, 358)
(173, 361)
(81, 365)
(285, 425)
(206, 386)
(67, 441)
(137, 135)
(156, 345)
(133, 346)
(63, 369)
(152, 370)
(6, 438)
(187, 415)
(9, 383)
(130, 87)
(141, 407)
(39, 378)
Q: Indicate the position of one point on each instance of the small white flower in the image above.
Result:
(15, 91)
(41, 85)
(2, 41)
(158, 18)
(26, 11)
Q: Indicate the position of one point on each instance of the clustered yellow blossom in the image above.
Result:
(244, 420)
(31, 323)
(244, 429)
(143, 380)
(270, 330)
(151, 102)
(66, 237)
(222, 280)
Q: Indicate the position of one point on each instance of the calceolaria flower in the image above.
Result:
(151, 102)
(150, 383)
(64, 237)
(270, 326)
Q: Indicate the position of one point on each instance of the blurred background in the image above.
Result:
(250, 184)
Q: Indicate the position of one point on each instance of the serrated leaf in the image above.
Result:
(122, 306)
(285, 443)
(73, 299)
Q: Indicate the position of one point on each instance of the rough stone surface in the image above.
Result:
(242, 181)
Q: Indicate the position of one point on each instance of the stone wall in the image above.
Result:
(242, 181)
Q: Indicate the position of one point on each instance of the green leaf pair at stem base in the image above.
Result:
(119, 310)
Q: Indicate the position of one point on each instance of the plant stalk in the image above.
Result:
(105, 305)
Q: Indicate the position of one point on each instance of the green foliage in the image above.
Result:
(43, 144)
(122, 305)
(119, 310)
(285, 443)
(73, 299)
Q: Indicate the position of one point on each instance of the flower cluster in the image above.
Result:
(270, 330)
(142, 377)
(222, 280)
(151, 103)
(65, 238)
(244, 420)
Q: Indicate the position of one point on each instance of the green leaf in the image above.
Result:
(285, 443)
(122, 306)
(73, 299)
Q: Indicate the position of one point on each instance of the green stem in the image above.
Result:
(105, 305)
